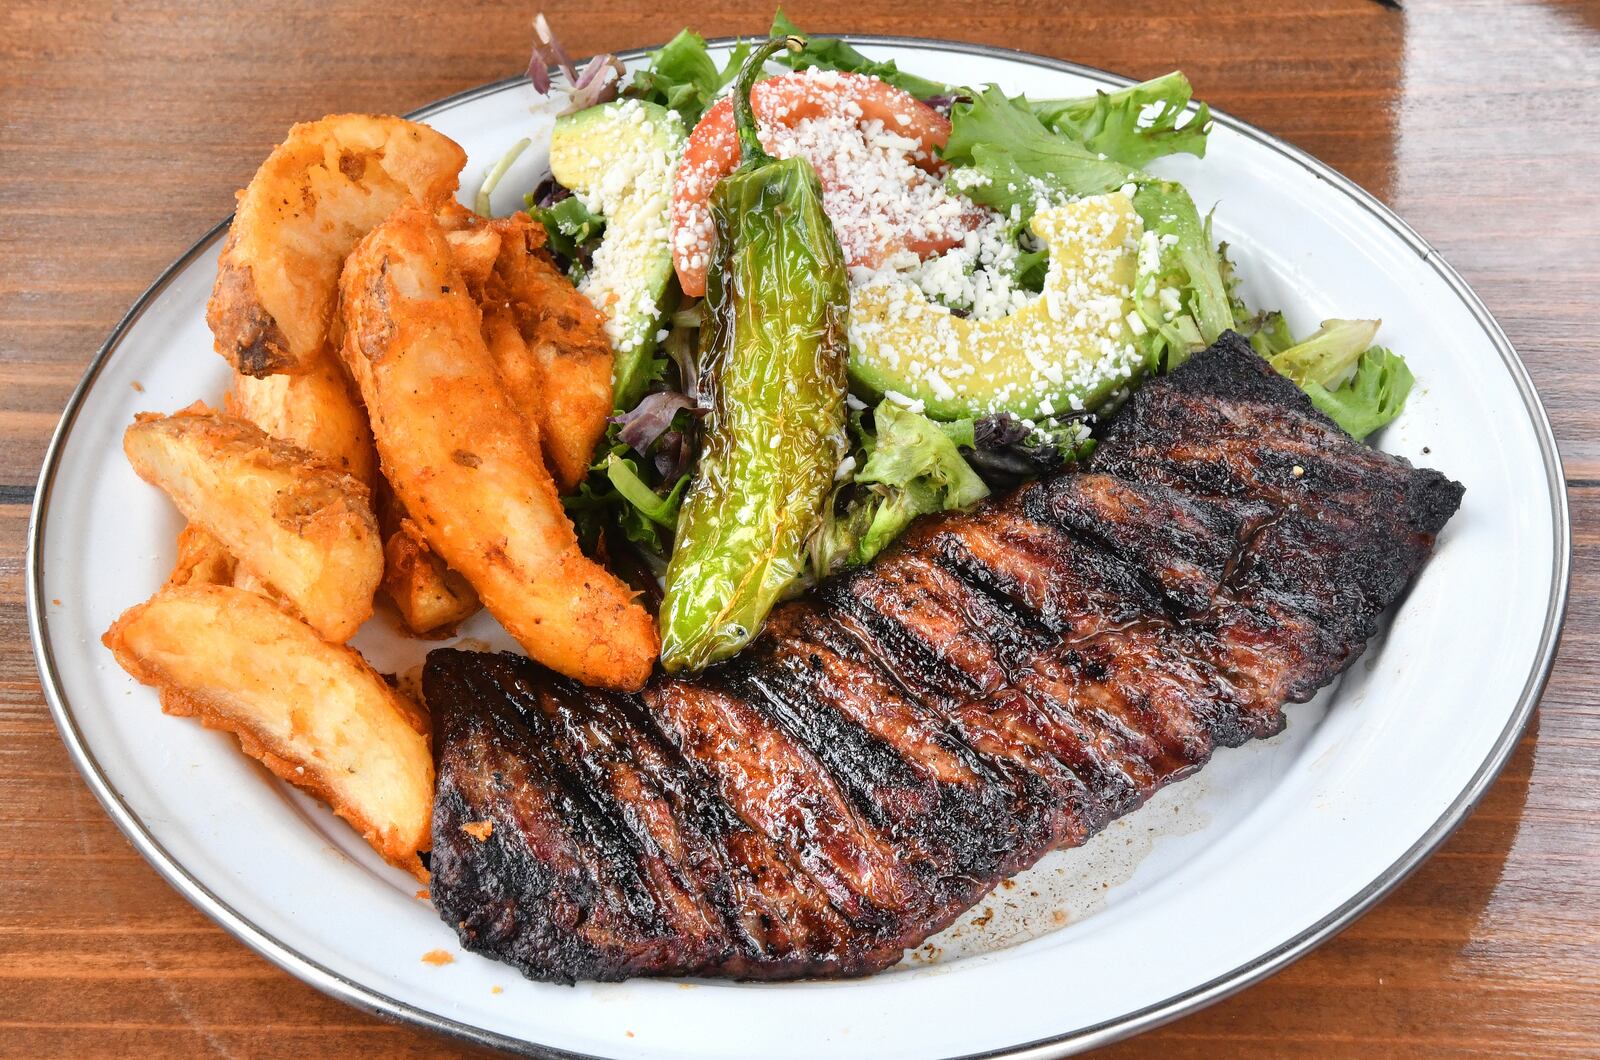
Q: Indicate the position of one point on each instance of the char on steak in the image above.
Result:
(1001, 682)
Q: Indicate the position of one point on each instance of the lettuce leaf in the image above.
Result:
(1115, 123)
(1023, 165)
(1373, 397)
(831, 53)
(913, 466)
(683, 77)
(917, 468)
(1131, 125)
(1358, 385)
(616, 495)
(1178, 254)
(1007, 452)
(650, 505)
(1268, 333)
(569, 226)
(1002, 138)
(1329, 356)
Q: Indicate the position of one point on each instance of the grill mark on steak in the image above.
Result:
(776, 786)
(977, 793)
(1000, 682)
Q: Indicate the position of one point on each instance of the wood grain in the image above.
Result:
(125, 127)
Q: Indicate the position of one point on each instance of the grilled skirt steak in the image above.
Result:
(1001, 682)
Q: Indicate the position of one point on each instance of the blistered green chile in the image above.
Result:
(774, 355)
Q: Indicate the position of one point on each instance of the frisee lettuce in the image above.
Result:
(651, 506)
(616, 495)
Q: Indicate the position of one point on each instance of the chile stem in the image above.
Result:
(744, 118)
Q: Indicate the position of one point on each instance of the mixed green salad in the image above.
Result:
(846, 295)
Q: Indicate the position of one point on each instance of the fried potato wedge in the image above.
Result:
(475, 250)
(304, 528)
(314, 713)
(432, 599)
(466, 465)
(569, 352)
(316, 410)
(524, 380)
(548, 340)
(316, 195)
(246, 579)
(202, 559)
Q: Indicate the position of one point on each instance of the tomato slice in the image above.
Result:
(712, 152)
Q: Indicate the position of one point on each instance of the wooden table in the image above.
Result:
(125, 128)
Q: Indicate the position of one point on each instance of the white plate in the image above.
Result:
(1218, 882)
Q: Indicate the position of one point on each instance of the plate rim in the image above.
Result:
(374, 1001)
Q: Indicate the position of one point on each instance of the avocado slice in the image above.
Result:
(618, 158)
(1067, 351)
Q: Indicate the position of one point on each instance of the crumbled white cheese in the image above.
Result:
(633, 192)
(910, 404)
(1077, 341)
(969, 177)
(877, 186)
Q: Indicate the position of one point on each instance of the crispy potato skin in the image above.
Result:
(314, 713)
(297, 524)
(432, 599)
(547, 338)
(565, 337)
(321, 190)
(474, 249)
(202, 559)
(316, 410)
(524, 380)
(465, 464)
(246, 579)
